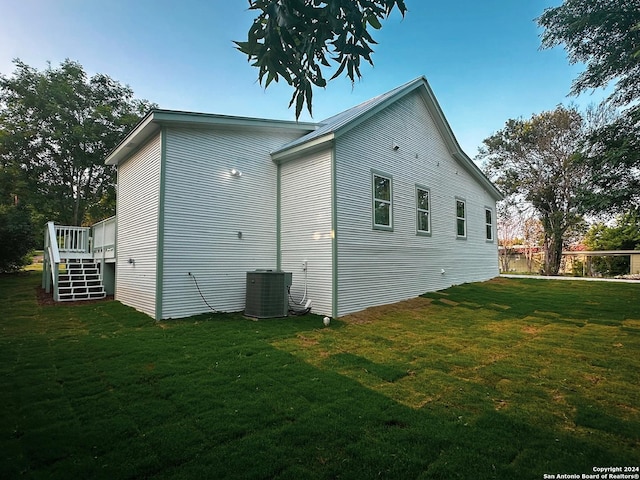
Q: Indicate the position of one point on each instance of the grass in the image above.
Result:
(504, 379)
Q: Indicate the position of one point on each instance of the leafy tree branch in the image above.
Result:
(603, 34)
(296, 39)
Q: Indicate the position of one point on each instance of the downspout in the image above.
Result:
(278, 219)
(334, 236)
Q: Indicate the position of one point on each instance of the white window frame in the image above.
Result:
(489, 235)
(463, 218)
(375, 200)
(420, 210)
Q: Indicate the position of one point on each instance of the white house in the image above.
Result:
(374, 205)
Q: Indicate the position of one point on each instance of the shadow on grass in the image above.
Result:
(102, 391)
(568, 300)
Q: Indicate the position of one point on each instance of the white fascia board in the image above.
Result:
(134, 139)
(151, 123)
(208, 119)
(430, 101)
(475, 171)
(451, 141)
(305, 148)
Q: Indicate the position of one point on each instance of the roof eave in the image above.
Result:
(452, 142)
(312, 146)
(432, 105)
(136, 137)
(150, 125)
(475, 171)
(415, 84)
(208, 119)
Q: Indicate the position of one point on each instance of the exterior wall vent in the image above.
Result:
(267, 294)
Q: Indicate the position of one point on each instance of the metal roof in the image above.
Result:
(337, 122)
(315, 135)
(334, 126)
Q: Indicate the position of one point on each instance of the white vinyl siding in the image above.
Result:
(376, 268)
(216, 225)
(137, 228)
(305, 227)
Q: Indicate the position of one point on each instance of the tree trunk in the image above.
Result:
(552, 253)
(528, 253)
(77, 221)
(505, 259)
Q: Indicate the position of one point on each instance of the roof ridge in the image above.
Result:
(336, 122)
(371, 100)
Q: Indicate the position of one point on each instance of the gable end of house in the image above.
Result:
(332, 128)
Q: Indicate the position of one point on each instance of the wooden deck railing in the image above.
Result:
(65, 242)
(103, 245)
(51, 261)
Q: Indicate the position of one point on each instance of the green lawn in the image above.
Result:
(509, 379)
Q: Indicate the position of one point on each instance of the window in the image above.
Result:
(382, 201)
(488, 220)
(461, 219)
(423, 211)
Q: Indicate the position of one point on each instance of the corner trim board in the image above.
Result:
(334, 237)
(160, 236)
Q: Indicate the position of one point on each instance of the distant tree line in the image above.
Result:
(566, 164)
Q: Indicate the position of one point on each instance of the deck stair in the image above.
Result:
(80, 279)
(79, 262)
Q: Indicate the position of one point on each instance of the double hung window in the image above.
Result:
(461, 218)
(488, 220)
(382, 186)
(423, 211)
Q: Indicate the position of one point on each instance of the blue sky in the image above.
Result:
(482, 59)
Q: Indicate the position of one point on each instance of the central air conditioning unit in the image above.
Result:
(267, 294)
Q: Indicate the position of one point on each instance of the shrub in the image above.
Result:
(16, 238)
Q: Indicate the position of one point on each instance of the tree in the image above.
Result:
(519, 232)
(532, 237)
(623, 235)
(536, 159)
(605, 35)
(56, 128)
(612, 155)
(16, 237)
(508, 230)
(296, 39)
